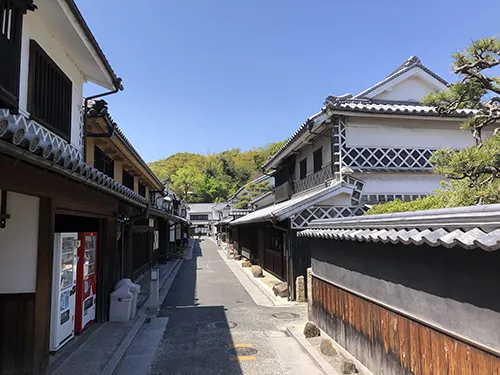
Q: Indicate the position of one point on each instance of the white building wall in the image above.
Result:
(322, 141)
(405, 133)
(33, 28)
(399, 183)
(19, 245)
(342, 199)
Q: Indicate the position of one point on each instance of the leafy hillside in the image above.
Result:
(213, 177)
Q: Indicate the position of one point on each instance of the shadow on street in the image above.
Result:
(197, 338)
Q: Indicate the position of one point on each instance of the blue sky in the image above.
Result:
(207, 75)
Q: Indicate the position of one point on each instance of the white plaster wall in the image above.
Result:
(400, 183)
(413, 88)
(322, 141)
(19, 245)
(388, 132)
(342, 199)
(33, 28)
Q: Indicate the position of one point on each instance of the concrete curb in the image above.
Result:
(127, 341)
(311, 351)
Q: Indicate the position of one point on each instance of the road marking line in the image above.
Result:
(243, 358)
(240, 345)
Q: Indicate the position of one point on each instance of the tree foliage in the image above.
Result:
(472, 173)
(213, 177)
(251, 191)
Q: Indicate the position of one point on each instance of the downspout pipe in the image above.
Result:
(118, 87)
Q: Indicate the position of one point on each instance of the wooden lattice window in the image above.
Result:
(11, 21)
(49, 93)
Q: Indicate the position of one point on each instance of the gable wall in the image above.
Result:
(413, 88)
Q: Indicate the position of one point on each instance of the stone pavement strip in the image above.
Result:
(216, 327)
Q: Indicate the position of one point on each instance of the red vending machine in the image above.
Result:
(86, 281)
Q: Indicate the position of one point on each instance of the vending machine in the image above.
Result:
(86, 281)
(63, 289)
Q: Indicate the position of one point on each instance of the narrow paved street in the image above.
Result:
(210, 313)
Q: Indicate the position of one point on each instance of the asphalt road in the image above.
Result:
(210, 313)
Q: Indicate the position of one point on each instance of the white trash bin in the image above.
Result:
(120, 305)
(135, 289)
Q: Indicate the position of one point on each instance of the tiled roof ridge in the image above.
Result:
(410, 63)
(99, 108)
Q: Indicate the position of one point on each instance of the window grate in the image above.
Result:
(49, 93)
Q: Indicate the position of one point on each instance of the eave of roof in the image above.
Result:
(102, 112)
(117, 82)
(467, 227)
(314, 120)
(78, 171)
(286, 209)
(348, 103)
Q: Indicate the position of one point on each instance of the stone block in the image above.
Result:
(281, 290)
(300, 290)
(309, 285)
(348, 367)
(246, 263)
(327, 348)
(311, 330)
(257, 271)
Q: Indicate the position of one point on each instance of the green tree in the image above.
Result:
(472, 172)
(222, 174)
(252, 191)
(186, 180)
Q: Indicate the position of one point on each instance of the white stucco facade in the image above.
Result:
(323, 142)
(34, 28)
(19, 245)
(400, 183)
(430, 133)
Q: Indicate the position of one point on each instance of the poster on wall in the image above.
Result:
(172, 235)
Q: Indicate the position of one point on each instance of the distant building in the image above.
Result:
(201, 216)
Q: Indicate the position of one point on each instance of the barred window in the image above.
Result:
(49, 93)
